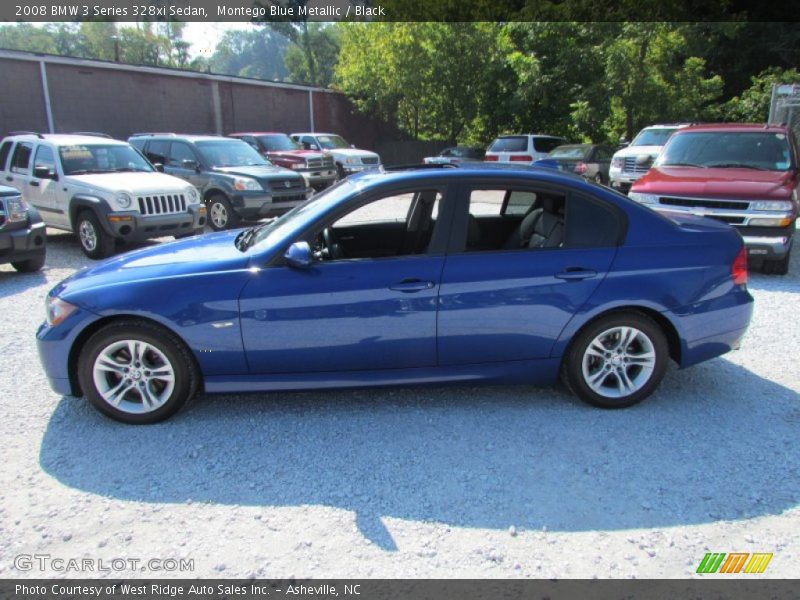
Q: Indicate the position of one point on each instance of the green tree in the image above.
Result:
(753, 103)
(259, 54)
(316, 63)
(28, 38)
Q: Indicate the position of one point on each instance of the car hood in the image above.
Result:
(135, 182)
(638, 151)
(733, 183)
(259, 171)
(213, 252)
(296, 153)
(350, 152)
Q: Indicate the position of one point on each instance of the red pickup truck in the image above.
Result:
(743, 174)
(317, 167)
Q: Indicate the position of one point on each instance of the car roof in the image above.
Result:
(259, 133)
(543, 135)
(315, 133)
(67, 139)
(189, 137)
(667, 126)
(466, 170)
(733, 127)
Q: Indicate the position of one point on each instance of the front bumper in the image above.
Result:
(767, 246)
(350, 169)
(257, 205)
(17, 245)
(134, 227)
(317, 178)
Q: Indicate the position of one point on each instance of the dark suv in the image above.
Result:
(22, 232)
(234, 180)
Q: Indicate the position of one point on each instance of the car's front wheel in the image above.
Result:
(221, 214)
(136, 372)
(31, 265)
(616, 361)
(95, 242)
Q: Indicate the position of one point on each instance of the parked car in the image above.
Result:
(590, 161)
(102, 189)
(347, 157)
(406, 277)
(23, 240)
(316, 166)
(524, 148)
(456, 154)
(633, 161)
(744, 175)
(235, 182)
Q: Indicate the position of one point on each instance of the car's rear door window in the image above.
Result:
(20, 162)
(546, 144)
(5, 150)
(513, 143)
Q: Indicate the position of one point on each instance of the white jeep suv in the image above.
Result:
(100, 188)
(633, 161)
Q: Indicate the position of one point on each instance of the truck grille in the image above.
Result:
(285, 185)
(369, 160)
(631, 166)
(705, 203)
(319, 163)
(161, 205)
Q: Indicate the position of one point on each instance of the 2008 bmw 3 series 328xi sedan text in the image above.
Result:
(418, 276)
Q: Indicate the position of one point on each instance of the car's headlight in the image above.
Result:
(58, 309)
(352, 160)
(192, 195)
(246, 184)
(124, 199)
(643, 198)
(771, 205)
(16, 210)
(616, 162)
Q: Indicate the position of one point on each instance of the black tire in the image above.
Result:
(340, 174)
(94, 240)
(776, 267)
(221, 215)
(186, 377)
(31, 265)
(572, 367)
(598, 178)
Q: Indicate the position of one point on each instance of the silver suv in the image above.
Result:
(100, 188)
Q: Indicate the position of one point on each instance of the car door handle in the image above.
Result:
(412, 285)
(34, 183)
(576, 274)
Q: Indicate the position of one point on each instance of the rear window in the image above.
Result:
(546, 144)
(576, 152)
(516, 143)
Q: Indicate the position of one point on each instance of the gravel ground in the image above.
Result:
(437, 482)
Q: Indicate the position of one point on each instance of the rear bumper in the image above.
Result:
(133, 227)
(22, 244)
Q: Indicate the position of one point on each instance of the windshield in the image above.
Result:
(276, 143)
(653, 137)
(330, 142)
(576, 152)
(232, 153)
(517, 143)
(101, 158)
(763, 150)
(294, 220)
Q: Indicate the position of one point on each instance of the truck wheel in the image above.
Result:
(776, 267)
(221, 214)
(30, 265)
(95, 242)
(340, 174)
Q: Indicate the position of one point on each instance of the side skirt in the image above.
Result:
(536, 372)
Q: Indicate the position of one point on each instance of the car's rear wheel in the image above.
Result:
(30, 265)
(95, 242)
(616, 361)
(136, 372)
(598, 178)
(221, 214)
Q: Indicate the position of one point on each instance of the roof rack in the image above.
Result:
(145, 133)
(36, 133)
(91, 134)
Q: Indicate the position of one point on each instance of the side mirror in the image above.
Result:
(159, 167)
(313, 147)
(44, 173)
(299, 256)
(188, 163)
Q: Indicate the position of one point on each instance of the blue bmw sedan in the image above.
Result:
(418, 276)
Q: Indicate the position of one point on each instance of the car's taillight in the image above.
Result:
(739, 267)
(491, 157)
(580, 167)
(521, 158)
